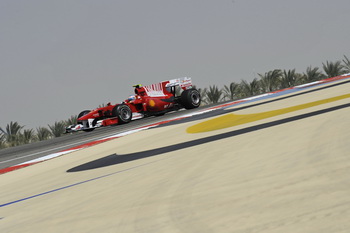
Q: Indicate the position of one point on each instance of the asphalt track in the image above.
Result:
(285, 172)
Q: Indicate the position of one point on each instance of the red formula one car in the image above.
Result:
(152, 100)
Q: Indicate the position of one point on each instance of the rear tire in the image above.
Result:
(190, 98)
(123, 112)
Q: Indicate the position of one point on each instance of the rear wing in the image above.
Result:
(185, 83)
(163, 88)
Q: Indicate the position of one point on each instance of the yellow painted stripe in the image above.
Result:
(231, 119)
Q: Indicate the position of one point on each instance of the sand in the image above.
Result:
(287, 177)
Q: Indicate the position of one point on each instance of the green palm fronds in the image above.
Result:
(313, 74)
(249, 88)
(346, 65)
(71, 121)
(213, 95)
(270, 81)
(58, 128)
(230, 92)
(28, 136)
(333, 69)
(13, 133)
(2, 140)
(43, 133)
(288, 78)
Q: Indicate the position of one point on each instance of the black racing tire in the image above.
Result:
(83, 113)
(94, 122)
(88, 130)
(159, 114)
(191, 98)
(123, 112)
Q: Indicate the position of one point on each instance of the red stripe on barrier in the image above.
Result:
(9, 169)
(334, 78)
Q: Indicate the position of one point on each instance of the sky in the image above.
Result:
(58, 58)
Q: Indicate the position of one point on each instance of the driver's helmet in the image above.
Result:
(137, 86)
(131, 98)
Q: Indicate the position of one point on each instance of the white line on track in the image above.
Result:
(56, 148)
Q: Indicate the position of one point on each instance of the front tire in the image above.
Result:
(85, 123)
(83, 113)
(123, 112)
(191, 98)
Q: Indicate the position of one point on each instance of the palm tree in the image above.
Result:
(43, 133)
(230, 92)
(13, 132)
(270, 80)
(249, 88)
(2, 140)
(58, 128)
(289, 78)
(313, 74)
(71, 121)
(346, 65)
(28, 136)
(203, 93)
(213, 95)
(333, 69)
